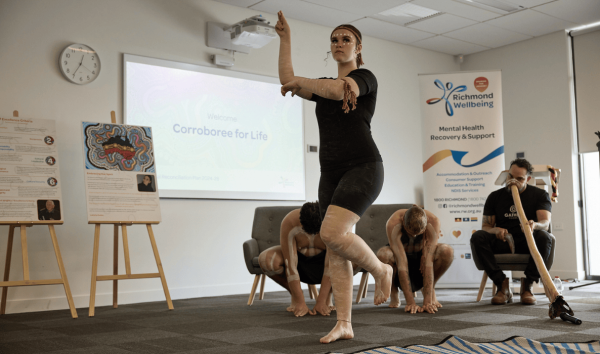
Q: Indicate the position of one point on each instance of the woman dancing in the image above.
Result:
(351, 166)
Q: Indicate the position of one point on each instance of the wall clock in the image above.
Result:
(79, 64)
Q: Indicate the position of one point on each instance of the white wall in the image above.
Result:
(539, 120)
(200, 241)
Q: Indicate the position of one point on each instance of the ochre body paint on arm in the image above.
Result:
(286, 69)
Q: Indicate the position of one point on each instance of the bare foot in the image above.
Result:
(383, 286)
(321, 309)
(342, 330)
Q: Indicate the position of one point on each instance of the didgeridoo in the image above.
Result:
(558, 305)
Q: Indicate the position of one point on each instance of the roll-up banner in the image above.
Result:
(463, 154)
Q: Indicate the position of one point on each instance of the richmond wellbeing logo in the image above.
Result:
(447, 90)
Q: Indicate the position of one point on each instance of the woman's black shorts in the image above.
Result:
(354, 188)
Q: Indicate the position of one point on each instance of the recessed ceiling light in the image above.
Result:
(497, 5)
(409, 10)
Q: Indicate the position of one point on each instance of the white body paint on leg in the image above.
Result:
(291, 266)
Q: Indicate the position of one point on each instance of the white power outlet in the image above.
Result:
(558, 226)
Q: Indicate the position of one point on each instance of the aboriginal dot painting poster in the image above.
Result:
(120, 173)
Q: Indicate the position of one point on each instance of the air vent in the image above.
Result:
(421, 19)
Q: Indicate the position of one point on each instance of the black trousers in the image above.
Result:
(484, 245)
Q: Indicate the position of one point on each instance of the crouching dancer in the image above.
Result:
(301, 256)
(416, 257)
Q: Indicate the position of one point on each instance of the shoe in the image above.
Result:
(503, 295)
(526, 293)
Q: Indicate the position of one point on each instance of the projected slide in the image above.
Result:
(217, 133)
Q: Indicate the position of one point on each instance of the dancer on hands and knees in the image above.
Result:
(416, 256)
(351, 166)
(301, 256)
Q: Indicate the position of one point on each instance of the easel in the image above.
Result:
(23, 225)
(128, 275)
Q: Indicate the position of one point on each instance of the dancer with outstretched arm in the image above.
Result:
(351, 166)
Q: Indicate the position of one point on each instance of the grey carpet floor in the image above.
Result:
(226, 324)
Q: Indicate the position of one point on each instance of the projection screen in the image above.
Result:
(218, 134)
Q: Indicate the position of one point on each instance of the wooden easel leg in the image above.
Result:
(310, 293)
(24, 251)
(482, 286)
(366, 286)
(262, 287)
(11, 234)
(158, 264)
(94, 270)
(126, 248)
(116, 267)
(253, 291)
(63, 272)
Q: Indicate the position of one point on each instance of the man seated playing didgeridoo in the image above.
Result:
(416, 257)
(301, 256)
(500, 219)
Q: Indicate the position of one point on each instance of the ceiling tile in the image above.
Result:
(390, 32)
(449, 45)
(529, 3)
(579, 11)
(442, 24)
(458, 9)
(359, 7)
(487, 35)
(307, 12)
(239, 3)
(531, 23)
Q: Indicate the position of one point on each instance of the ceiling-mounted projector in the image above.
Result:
(253, 32)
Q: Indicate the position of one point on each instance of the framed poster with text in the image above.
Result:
(120, 174)
(30, 183)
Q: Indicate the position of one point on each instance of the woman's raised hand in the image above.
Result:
(282, 28)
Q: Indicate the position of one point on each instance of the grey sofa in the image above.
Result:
(266, 228)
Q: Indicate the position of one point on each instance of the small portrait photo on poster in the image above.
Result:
(48, 209)
(146, 183)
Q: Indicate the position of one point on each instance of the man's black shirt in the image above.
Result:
(501, 205)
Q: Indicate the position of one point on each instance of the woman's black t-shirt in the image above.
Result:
(346, 138)
(500, 204)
